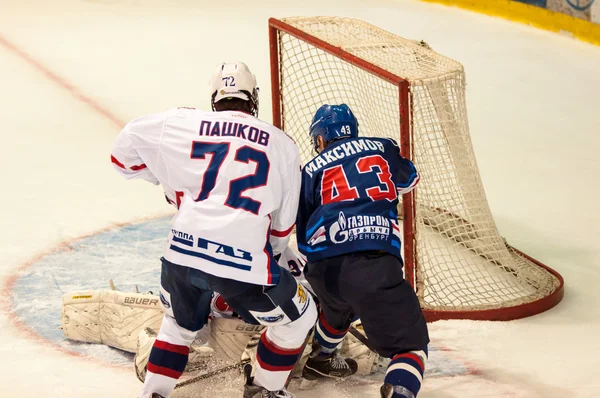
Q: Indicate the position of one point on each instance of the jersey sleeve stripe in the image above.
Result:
(406, 189)
(412, 179)
(139, 167)
(282, 234)
(121, 165)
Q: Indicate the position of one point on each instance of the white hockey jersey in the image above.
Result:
(235, 180)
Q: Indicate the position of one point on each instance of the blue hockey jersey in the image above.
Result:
(349, 198)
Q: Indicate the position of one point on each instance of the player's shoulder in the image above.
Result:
(159, 118)
(387, 142)
(148, 120)
(187, 112)
(387, 146)
(146, 126)
(154, 124)
(282, 142)
(278, 133)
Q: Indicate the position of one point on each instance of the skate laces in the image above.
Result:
(339, 362)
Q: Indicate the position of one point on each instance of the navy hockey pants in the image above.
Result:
(370, 285)
(190, 292)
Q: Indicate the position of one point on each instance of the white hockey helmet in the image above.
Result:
(234, 80)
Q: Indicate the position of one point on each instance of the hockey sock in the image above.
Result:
(167, 363)
(274, 363)
(405, 373)
(328, 337)
(168, 358)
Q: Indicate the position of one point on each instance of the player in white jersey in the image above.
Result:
(235, 180)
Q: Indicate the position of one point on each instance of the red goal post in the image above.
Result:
(460, 266)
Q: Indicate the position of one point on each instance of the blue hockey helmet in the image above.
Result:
(333, 122)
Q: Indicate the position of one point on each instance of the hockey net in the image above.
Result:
(454, 255)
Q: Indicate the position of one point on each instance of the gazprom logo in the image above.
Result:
(342, 220)
(337, 231)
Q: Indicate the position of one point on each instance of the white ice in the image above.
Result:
(532, 98)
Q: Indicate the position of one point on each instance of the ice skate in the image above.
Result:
(389, 391)
(333, 366)
(254, 391)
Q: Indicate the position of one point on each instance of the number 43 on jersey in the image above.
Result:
(335, 186)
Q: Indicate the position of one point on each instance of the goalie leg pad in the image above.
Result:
(230, 337)
(145, 343)
(110, 317)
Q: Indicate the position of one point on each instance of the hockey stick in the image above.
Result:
(306, 340)
(246, 359)
(203, 376)
(361, 337)
(242, 363)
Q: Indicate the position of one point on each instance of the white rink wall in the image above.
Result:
(534, 123)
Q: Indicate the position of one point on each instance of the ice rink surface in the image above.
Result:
(73, 72)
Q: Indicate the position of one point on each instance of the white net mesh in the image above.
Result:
(462, 262)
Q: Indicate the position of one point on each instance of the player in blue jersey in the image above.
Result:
(347, 226)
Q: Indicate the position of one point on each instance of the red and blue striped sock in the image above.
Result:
(168, 359)
(274, 363)
(166, 364)
(327, 336)
(405, 373)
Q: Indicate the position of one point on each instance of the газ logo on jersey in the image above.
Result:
(359, 227)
